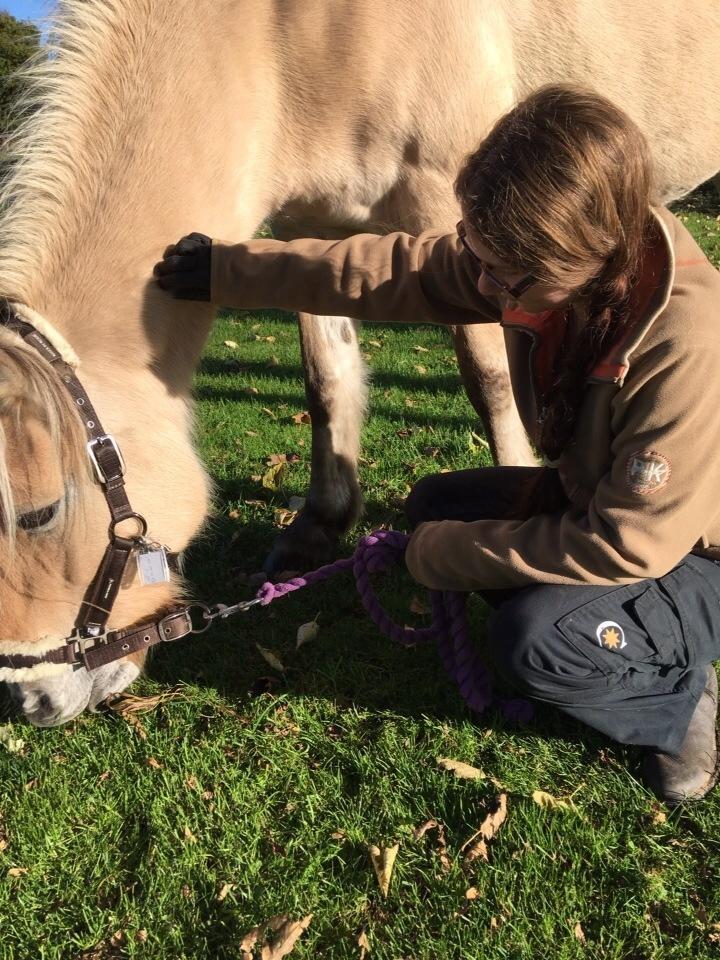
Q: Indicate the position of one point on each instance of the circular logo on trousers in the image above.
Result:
(610, 635)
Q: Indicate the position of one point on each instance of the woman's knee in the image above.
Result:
(422, 503)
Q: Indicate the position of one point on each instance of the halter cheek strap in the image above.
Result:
(90, 645)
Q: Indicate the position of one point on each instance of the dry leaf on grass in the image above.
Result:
(155, 764)
(463, 771)
(17, 871)
(248, 942)
(286, 932)
(579, 933)
(364, 945)
(442, 851)
(475, 848)
(230, 344)
(307, 632)
(383, 861)
(419, 606)
(127, 703)
(272, 478)
(11, 743)
(252, 392)
(284, 517)
(270, 658)
(189, 835)
(224, 891)
(421, 349)
(302, 417)
(543, 799)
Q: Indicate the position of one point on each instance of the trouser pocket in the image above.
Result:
(629, 633)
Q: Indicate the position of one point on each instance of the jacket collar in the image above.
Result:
(649, 300)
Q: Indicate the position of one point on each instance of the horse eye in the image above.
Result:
(37, 519)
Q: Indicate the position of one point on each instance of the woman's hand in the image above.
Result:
(184, 270)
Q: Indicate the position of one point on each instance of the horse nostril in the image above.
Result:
(45, 703)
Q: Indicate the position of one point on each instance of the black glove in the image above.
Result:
(184, 270)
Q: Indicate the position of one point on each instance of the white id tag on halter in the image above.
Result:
(153, 565)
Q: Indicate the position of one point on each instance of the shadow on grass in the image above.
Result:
(283, 372)
(351, 664)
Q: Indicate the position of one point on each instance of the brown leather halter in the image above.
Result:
(90, 645)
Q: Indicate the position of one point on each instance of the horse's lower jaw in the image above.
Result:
(57, 700)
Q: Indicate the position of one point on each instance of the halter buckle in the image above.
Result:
(99, 473)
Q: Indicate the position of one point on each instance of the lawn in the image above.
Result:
(257, 789)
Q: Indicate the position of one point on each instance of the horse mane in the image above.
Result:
(66, 121)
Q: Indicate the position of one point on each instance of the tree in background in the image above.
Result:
(19, 39)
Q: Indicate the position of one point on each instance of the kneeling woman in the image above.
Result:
(601, 563)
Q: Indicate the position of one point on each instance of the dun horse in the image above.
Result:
(154, 118)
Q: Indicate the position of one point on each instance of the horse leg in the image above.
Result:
(482, 360)
(336, 389)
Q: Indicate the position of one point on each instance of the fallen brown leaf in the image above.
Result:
(287, 933)
(248, 942)
(17, 871)
(421, 349)
(155, 764)
(272, 478)
(441, 841)
(302, 417)
(478, 849)
(307, 632)
(472, 893)
(270, 658)
(230, 344)
(189, 835)
(579, 933)
(224, 891)
(364, 945)
(383, 861)
(419, 606)
(463, 771)
(543, 799)
(252, 391)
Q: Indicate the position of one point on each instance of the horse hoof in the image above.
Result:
(303, 546)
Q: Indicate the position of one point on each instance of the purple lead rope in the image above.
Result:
(449, 628)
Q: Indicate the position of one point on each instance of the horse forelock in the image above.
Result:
(30, 388)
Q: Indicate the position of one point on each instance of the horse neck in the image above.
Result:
(151, 149)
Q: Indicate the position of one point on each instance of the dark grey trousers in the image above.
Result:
(630, 661)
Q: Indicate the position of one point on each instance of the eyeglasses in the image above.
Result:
(516, 291)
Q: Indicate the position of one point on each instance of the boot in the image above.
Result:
(694, 770)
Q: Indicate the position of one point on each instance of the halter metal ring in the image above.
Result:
(138, 518)
(207, 616)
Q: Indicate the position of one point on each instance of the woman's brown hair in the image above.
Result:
(561, 188)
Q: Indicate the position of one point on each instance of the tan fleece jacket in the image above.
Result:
(643, 467)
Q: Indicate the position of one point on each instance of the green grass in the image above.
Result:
(278, 785)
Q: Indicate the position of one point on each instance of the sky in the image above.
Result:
(26, 9)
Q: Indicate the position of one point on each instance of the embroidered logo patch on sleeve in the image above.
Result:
(647, 471)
